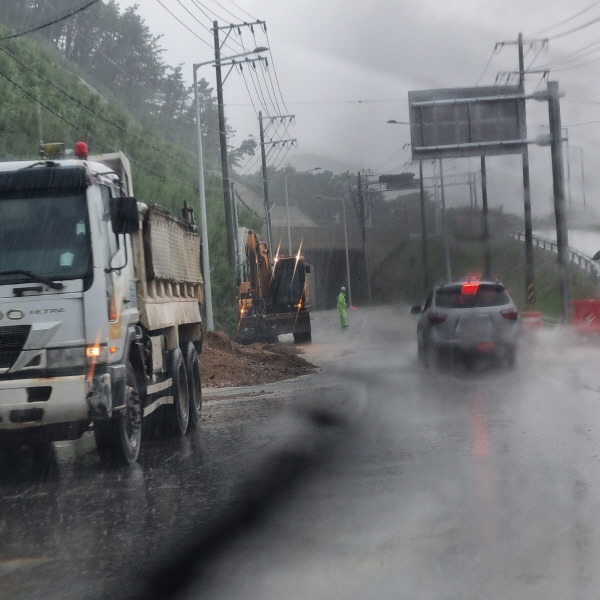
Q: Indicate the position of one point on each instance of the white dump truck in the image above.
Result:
(100, 307)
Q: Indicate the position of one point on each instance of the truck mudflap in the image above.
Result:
(43, 409)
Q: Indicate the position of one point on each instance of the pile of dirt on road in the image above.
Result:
(225, 363)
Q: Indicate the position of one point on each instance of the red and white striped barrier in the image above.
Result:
(531, 319)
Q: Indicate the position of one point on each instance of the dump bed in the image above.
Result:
(168, 274)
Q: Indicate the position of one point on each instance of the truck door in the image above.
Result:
(118, 272)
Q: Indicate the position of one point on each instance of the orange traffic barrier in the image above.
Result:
(586, 315)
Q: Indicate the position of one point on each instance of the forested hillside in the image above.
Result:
(98, 76)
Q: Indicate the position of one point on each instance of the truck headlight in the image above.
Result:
(63, 358)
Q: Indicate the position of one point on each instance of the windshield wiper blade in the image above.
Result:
(52, 284)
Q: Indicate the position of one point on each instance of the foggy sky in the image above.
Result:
(344, 69)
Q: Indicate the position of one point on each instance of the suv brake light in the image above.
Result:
(510, 314)
(470, 288)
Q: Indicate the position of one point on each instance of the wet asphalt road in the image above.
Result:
(370, 479)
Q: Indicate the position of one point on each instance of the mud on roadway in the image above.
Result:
(225, 363)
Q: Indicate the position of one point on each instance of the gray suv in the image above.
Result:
(466, 319)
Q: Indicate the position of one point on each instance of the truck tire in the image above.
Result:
(180, 410)
(194, 379)
(118, 439)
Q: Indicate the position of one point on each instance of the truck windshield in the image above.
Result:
(46, 236)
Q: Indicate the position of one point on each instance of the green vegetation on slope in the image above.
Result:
(42, 99)
(400, 277)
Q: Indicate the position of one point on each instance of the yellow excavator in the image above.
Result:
(272, 295)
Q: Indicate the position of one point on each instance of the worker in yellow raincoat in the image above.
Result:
(342, 305)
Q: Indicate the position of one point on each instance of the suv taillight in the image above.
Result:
(510, 314)
(436, 318)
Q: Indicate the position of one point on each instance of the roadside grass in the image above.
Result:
(400, 277)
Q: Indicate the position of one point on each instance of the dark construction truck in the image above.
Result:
(272, 298)
(100, 298)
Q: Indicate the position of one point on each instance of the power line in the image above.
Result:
(262, 87)
(248, 90)
(575, 29)
(567, 20)
(201, 9)
(52, 111)
(231, 13)
(184, 25)
(53, 22)
(91, 137)
(205, 10)
(240, 8)
(575, 66)
(576, 55)
(487, 64)
(95, 112)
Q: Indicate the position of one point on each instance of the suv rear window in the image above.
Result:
(486, 295)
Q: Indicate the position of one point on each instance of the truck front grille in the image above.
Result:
(12, 340)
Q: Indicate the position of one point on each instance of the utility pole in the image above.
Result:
(445, 233)
(238, 255)
(582, 178)
(227, 199)
(529, 265)
(425, 264)
(264, 166)
(487, 269)
(265, 184)
(558, 184)
(224, 158)
(363, 226)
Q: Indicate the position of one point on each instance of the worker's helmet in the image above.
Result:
(343, 289)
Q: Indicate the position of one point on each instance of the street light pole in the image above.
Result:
(343, 200)
(203, 227)
(287, 204)
(203, 222)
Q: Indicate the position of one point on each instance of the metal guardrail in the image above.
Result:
(575, 257)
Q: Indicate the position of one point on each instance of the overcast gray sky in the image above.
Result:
(344, 68)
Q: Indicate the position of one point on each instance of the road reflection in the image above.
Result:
(28, 464)
(62, 512)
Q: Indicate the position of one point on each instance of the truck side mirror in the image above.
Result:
(307, 268)
(124, 214)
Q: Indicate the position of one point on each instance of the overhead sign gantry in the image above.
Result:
(458, 122)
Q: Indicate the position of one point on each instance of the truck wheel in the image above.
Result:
(194, 379)
(181, 406)
(118, 439)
